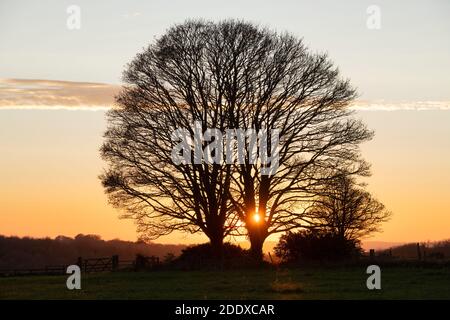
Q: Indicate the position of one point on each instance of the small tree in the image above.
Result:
(347, 210)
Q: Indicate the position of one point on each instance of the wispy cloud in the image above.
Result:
(55, 94)
(382, 105)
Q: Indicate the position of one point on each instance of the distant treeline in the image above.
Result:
(439, 250)
(17, 253)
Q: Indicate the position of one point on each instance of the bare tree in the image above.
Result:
(168, 88)
(274, 82)
(347, 210)
(230, 74)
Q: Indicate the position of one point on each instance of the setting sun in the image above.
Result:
(256, 217)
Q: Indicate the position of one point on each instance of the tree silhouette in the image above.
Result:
(347, 210)
(275, 82)
(230, 74)
(169, 86)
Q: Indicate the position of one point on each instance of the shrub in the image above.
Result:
(204, 256)
(313, 245)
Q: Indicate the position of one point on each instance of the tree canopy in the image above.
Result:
(228, 75)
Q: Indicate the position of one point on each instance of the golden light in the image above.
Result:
(256, 217)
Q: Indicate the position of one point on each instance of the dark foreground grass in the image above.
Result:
(323, 283)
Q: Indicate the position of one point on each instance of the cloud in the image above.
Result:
(55, 94)
(382, 105)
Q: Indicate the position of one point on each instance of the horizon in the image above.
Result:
(268, 245)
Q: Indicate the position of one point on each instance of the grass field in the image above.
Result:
(324, 283)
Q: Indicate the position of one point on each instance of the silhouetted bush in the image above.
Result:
(204, 256)
(306, 246)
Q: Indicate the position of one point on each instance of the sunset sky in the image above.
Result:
(56, 84)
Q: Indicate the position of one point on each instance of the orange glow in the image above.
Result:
(50, 162)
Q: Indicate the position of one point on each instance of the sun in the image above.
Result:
(256, 218)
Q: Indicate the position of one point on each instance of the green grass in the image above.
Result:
(324, 283)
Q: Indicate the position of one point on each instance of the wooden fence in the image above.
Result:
(91, 265)
(48, 270)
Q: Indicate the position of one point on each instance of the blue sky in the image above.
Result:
(407, 59)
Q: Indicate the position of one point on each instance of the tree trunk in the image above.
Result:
(216, 241)
(257, 236)
(256, 249)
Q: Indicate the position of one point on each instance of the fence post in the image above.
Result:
(80, 263)
(138, 263)
(419, 254)
(115, 262)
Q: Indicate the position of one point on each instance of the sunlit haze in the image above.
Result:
(56, 85)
